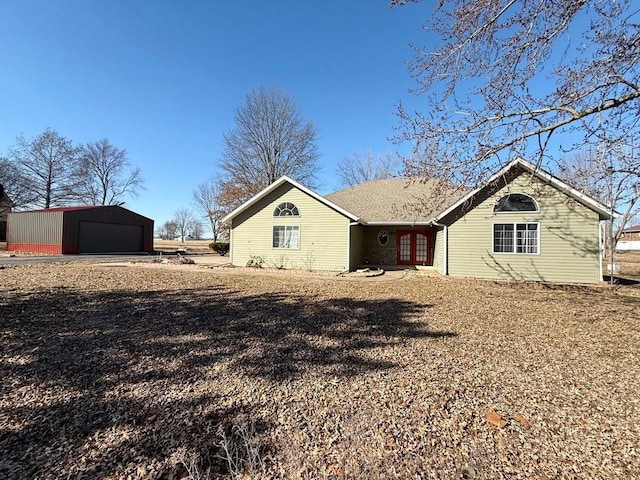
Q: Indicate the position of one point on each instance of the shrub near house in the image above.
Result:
(222, 248)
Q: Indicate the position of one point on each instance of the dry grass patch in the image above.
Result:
(194, 246)
(116, 372)
(629, 264)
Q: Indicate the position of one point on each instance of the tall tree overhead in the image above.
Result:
(46, 168)
(507, 77)
(269, 140)
(106, 177)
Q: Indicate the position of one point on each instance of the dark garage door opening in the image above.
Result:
(96, 237)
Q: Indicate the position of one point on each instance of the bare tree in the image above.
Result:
(184, 220)
(15, 186)
(358, 168)
(206, 200)
(106, 176)
(269, 140)
(168, 230)
(46, 169)
(610, 173)
(197, 229)
(508, 76)
(231, 196)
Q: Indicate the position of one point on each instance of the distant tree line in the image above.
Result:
(183, 226)
(49, 170)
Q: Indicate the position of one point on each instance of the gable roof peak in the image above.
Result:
(603, 211)
(282, 180)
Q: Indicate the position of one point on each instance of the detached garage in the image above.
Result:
(92, 229)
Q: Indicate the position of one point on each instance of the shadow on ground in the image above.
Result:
(93, 381)
(620, 280)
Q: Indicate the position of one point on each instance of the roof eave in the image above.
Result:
(603, 211)
(284, 179)
(586, 200)
(401, 223)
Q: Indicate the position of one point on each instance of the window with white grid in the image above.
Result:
(515, 237)
(286, 236)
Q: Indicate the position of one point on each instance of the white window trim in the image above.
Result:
(515, 228)
(285, 229)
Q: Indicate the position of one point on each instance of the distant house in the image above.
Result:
(630, 239)
(84, 229)
(5, 207)
(523, 223)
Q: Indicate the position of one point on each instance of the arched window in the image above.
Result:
(286, 209)
(516, 202)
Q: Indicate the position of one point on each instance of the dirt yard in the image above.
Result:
(629, 263)
(133, 372)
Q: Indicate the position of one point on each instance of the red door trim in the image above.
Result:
(413, 246)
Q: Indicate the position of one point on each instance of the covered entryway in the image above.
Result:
(414, 247)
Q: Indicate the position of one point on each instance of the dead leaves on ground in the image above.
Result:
(121, 372)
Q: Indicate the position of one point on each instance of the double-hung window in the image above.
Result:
(286, 236)
(515, 237)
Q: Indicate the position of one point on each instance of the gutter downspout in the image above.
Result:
(445, 250)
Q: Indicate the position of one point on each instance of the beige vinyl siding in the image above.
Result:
(323, 233)
(568, 249)
(438, 251)
(355, 252)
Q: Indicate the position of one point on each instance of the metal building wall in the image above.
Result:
(111, 214)
(57, 231)
(35, 231)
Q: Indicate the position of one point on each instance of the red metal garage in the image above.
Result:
(91, 229)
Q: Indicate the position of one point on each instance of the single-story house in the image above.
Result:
(5, 207)
(523, 224)
(82, 229)
(630, 239)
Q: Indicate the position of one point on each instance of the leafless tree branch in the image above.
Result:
(269, 140)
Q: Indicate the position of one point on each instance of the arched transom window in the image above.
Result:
(286, 209)
(516, 202)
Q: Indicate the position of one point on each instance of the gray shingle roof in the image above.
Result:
(397, 199)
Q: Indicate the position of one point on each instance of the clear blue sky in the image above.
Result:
(163, 78)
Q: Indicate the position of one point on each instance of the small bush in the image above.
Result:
(242, 449)
(255, 261)
(221, 248)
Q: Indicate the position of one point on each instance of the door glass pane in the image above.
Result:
(405, 248)
(421, 248)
